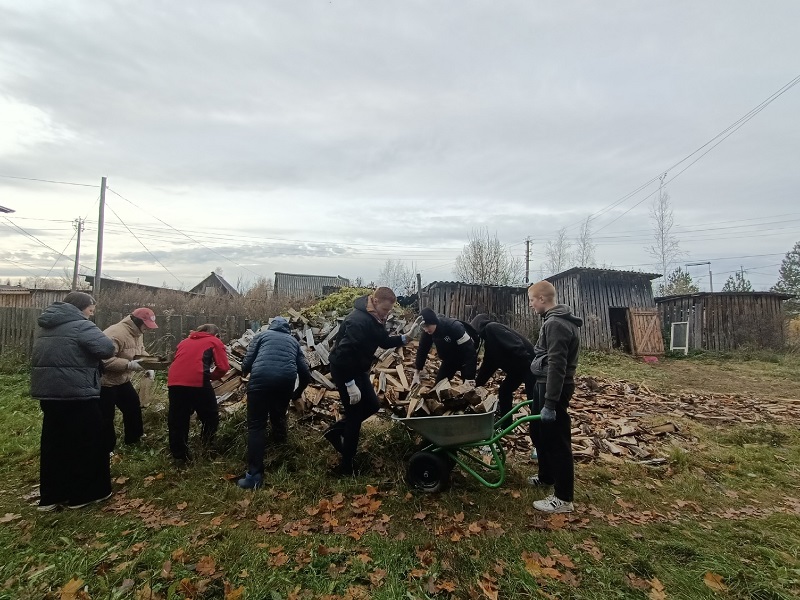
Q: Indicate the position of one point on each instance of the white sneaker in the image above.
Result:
(95, 501)
(536, 482)
(47, 507)
(551, 504)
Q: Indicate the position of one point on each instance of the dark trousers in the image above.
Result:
(125, 398)
(183, 401)
(516, 375)
(73, 464)
(267, 404)
(553, 442)
(447, 370)
(354, 414)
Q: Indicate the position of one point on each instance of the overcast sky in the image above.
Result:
(328, 137)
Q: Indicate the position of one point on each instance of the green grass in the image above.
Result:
(722, 505)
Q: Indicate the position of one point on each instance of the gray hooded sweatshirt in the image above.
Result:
(556, 351)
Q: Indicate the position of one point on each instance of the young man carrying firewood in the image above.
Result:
(453, 344)
(504, 348)
(554, 364)
(360, 334)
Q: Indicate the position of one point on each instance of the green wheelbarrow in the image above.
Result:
(462, 440)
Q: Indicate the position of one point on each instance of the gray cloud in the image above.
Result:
(406, 125)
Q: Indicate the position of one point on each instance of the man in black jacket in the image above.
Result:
(504, 349)
(454, 346)
(361, 333)
(554, 365)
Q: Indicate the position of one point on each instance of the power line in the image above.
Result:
(50, 181)
(143, 246)
(724, 134)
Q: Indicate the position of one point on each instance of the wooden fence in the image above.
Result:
(18, 329)
(463, 301)
(728, 320)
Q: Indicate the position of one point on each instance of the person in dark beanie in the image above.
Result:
(454, 346)
(508, 350)
(118, 391)
(554, 364)
(199, 359)
(274, 361)
(74, 469)
(361, 333)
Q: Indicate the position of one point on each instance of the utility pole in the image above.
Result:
(710, 278)
(78, 224)
(527, 259)
(100, 220)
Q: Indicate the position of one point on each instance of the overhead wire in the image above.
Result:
(724, 134)
(143, 245)
(50, 181)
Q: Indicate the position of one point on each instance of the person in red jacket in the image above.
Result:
(199, 359)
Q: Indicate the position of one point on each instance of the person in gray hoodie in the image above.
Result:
(74, 469)
(274, 361)
(554, 364)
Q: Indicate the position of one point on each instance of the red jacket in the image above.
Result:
(193, 360)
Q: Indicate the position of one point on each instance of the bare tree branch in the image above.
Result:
(485, 260)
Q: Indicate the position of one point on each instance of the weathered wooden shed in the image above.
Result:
(728, 320)
(507, 304)
(617, 308)
(20, 297)
(296, 285)
(215, 285)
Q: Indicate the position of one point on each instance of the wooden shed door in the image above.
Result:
(645, 328)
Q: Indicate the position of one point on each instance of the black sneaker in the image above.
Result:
(336, 439)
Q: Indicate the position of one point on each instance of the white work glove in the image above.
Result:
(135, 365)
(150, 374)
(416, 380)
(470, 383)
(353, 392)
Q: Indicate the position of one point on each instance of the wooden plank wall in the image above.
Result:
(509, 305)
(592, 294)
(726, 321)
(18, 328)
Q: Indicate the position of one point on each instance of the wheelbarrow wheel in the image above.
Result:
(428, 472)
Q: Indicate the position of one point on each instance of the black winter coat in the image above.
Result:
(448, 333)
(504, 349)
(66, 355)
(360, 334)
(274, 357)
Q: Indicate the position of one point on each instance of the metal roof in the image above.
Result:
(778, 295)
(598, 271)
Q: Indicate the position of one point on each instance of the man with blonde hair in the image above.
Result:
(554, 364)
(360, 334)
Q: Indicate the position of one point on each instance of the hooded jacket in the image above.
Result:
(194, 357)
(556, 351)
(127, 338)
(274, 357)
(360, 334)
(504, 348)
(453, 345)
(66, 355)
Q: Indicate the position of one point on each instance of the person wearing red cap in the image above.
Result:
(117, 390)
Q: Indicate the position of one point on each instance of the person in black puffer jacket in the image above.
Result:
(360, 334)
(74, 469)
(453, 343)
(510, 351)
(274, 361)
